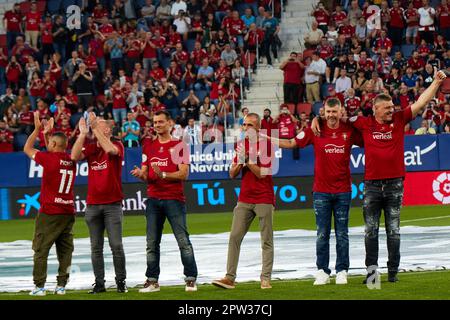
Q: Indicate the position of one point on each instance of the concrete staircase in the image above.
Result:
(266, 90)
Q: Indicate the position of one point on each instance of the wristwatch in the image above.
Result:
(164, 175)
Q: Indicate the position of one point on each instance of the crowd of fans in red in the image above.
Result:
(128, 59)
(352, 56)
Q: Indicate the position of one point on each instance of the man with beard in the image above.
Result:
(383, 135)
(332, 186)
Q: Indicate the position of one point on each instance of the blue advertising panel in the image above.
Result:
(211, 162)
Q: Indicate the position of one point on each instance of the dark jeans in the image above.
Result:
(107, 217)
(386, 195)
(156, 213)
(49, 230)
(269, 45)
(327, 205)
(396, 35)
(291, 91)
(85, 101)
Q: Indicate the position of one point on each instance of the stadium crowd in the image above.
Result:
(129, 59)
(351, 56)
(132, 58)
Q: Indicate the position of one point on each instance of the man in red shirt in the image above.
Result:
(292, 68)
(256, 199)
(412, 23)
(6, 138)
(383, 135)
(104, 197)
(56, 215)
(396, 24)
(443, 15)
(12, 21)
(332, 186)
(165, 167)
(32, 22)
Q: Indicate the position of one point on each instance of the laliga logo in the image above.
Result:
(441, 188)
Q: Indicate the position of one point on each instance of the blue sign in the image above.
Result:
(211, 162)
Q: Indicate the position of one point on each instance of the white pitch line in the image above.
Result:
(423, 219)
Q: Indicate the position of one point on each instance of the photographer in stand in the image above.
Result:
(292, 68)
(82, 81)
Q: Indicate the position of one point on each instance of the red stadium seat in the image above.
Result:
(41, 6)
(291, 107)
(304, 107)
(25, 7)
(3, 42)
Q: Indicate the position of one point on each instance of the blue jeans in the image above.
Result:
(119, 115)
(156, 212)
(326, 205)
(61, 49)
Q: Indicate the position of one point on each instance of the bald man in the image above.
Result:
(56, 215)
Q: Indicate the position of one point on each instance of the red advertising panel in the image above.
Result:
(432, 187)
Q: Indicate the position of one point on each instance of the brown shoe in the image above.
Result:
(224, 283)
(265, 284)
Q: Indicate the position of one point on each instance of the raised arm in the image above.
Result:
(428, 94)
(77, 149)
(29, 149)
(104, 141)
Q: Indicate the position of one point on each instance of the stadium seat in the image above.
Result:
(19, 141)
(316, 107)
(291, 107)
(201, 94)
(3, 41)
(182, 95)
(407, 50)
(416, 123)
(75, 118)
(190, 43)
(25, 7)
(304, 107)
(324, 90)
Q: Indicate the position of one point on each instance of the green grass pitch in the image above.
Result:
(412, 285)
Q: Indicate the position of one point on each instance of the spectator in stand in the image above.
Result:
(32, 21)
(248, 18)
(286, 123)
(13, 71)
(383, 42)
(271, 28)
(229, 55)
(312, 78)
(267, 122)
(322, 17)
(425, 128)
(207, 112)
(205, 76)
(412, 23)
(443, 16)
(182, 22)
(447, 128)
(6, 138)
(352, 103)
(396, 23)
(314, 36)
(354, 13)
(13, 26)
(292, 68)
(83, 81)
(362, 33)
(347, 30)
(410, 79)
(192, 133)
(426, 21)
(343, 83)
(131, 131)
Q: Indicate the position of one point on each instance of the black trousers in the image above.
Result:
(291, 92)
(269, 45)
(396, 35)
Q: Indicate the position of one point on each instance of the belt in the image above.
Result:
(313, 82)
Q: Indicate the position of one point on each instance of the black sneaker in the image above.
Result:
(97, 288)
(392, 276)
(122, 287)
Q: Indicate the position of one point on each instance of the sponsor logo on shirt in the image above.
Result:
(65, 163)
(334, 149)
(97, 166)
(62, 201)
(382, 135)
(159, 162)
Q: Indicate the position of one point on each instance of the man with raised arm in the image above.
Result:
(165, 167)
(56, 215)
(383, 134)
(104, 198)
(332, 186)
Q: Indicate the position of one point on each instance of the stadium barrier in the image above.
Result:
(210, 190)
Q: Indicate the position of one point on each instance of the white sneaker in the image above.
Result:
(191, 286)
(341, 277)
(38, 292)
(277, 61)
(60, 290)
(150, 286)
(322, 278)
(269, 66)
